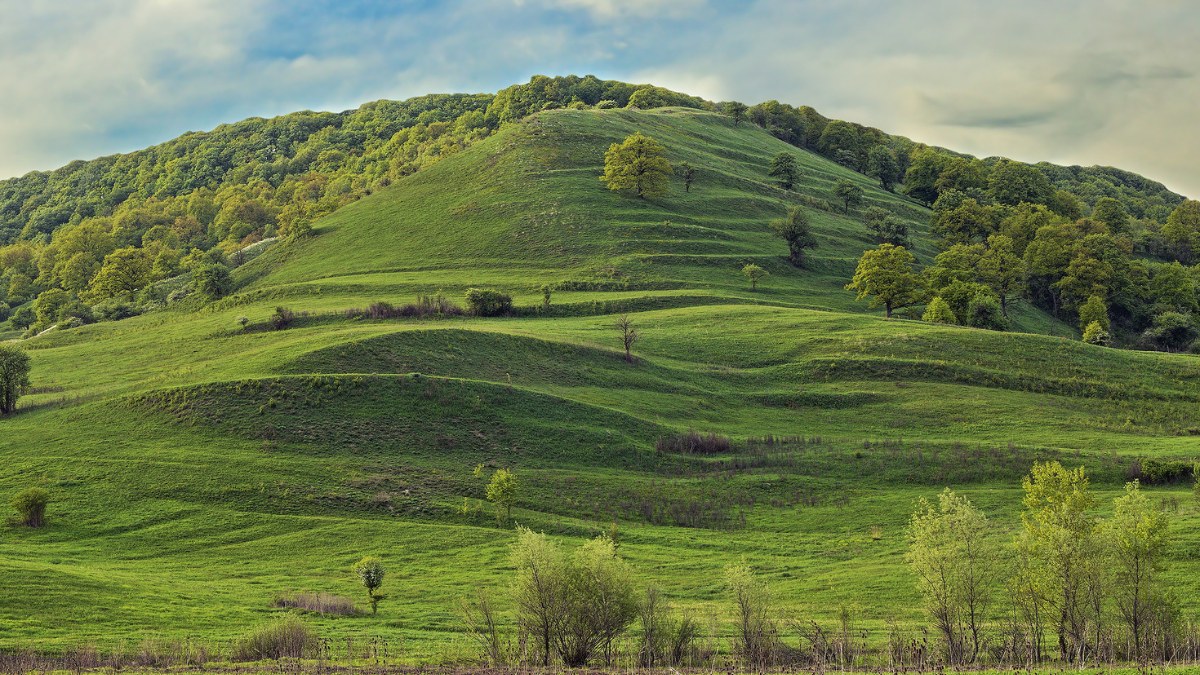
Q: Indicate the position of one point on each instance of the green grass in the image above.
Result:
(199, 470)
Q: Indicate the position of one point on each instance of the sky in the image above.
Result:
(1111, 82)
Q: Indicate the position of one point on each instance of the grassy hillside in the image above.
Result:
(199, 469)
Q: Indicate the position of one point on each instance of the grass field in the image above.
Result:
(200, 470)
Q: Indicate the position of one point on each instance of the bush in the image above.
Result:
(288, 637)
(115, 310)
(485, 302)
(694, 443)
(1095, 334)
(31, 507)
(425, 306)
(212, 280)
(938, 311)
(574, 604)
(282, 318)
(984, 312)
(319, 603)
(1161, 471)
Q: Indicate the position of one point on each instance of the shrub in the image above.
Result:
(757, 635)
(425, 305)
(213, 281)
(486, 302)
(938, 311)
(31, 507)
(984, 311)
(115, 310)
(288, 637)
(320, 603)
(1095, 334)
(282, 318)
(1163, 471)
(694, 443)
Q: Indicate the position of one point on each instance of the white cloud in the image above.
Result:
(616, 9)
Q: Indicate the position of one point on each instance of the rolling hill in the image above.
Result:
(200, 468)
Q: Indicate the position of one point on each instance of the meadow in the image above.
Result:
(200, 470)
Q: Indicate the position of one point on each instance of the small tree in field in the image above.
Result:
(784, 169)
(370, 573)
(757, 635)
(885, 276)
(737, 111)
(850, 194)
(755, 274)
(14, 377)
(639, 163)
(31, 506)
(688, 173)
(502, 491)
(1138, 536)
(795, 231)
(955, 565)
(629, 335)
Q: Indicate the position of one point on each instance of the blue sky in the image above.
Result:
(1073, 81)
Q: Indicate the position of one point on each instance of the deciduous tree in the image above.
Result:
(639, 163)
(794, 229)
(885, 276)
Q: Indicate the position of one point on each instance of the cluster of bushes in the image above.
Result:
(694, 443)
(425, 306)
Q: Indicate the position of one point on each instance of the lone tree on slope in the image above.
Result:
(784, 169)
(14, 377)
(638, 163)
(885, 275)
(629, 335)
(795, 231)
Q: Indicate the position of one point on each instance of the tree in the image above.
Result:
(938, 311)
(1182, 230)
(629, 335)
(794, 229)
(755, 274)
(955, 564)
(920, 181)
(1093, 311)
(689, 175)
(849, 193)
(502, 491)
(124, 271)
(212, 281)
(14, 377)
(737, 111)
(784, 169)
(1171, 331)
(887, 228)
(600, 602)
(638, 163)
(1058, 545)
(1110, 212)
(1012, 183)
(882, 165)
(757, 635)
(370, 572)
(983, 311)
(1000, 268)
(573, 604)
(539, 588)
(31, 506)
(966, 223)
(1138, 536)
(885, 275)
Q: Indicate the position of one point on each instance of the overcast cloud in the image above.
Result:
(1073, 81)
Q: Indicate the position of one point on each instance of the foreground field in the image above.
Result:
(201, 470)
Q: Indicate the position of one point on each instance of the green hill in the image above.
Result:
(201, 468)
